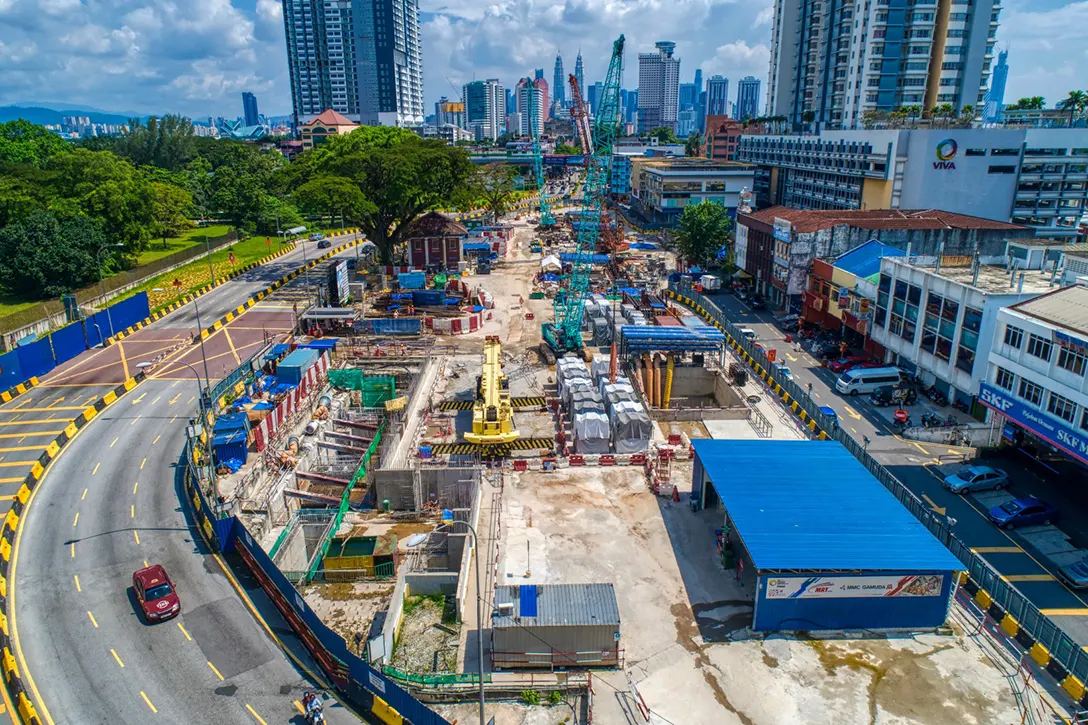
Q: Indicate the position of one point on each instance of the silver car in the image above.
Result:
(1075, 575)
(976, 478)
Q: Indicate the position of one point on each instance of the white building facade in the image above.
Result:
(658, 88)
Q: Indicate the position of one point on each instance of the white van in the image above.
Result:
(747, 333)
(866, 380)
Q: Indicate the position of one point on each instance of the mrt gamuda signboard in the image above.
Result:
(839, 587)
(1044, 426)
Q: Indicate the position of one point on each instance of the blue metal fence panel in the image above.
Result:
(36, 359)
(68, 342)
(130, 311)
(11, 371)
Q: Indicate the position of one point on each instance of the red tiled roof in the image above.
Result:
(330, 117)
(433, 224)
(806, 220)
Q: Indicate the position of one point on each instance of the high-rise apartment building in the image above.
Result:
(698, 83)
(993, 110)
(485, 108)
(658, 87)
(447, 112)
(541, 86)
(249, 109)
(840, 62)
(579, 72)
(530, 93)
(594, 96)
(688, 96)
(559, 81)
(360, 58)
(747, 98)
(717, 96)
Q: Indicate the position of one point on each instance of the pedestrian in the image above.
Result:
(740, 568)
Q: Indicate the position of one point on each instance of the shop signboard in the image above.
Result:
(1035, 422)
(782, 229)
(851, 587)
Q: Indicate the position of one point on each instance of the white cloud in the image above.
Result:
(766, 15)
(739, 59)
(1044, 48)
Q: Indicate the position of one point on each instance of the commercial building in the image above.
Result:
(447, 132)
(940, 320)
(559, 80)
(993, 110)
(485, 108)
(579, 71)
(1035, 385)
(1034, 177)
(555, 625)
(851, 557)
(666, 186)
(717, 96)
(541, 87)
(777, 246)
(747, 98)
(1037, 118)
(329, 123)
(686, 123)
(658, 88)
(249, 109)
(360, 58)
(449, 112)
(841, 61)
(625, 150)
(722, 137)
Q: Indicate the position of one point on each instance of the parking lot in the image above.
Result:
(1028, 557)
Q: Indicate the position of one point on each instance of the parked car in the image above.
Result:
(155, 593)
(846, 363)
(757, 303)
(1075, 575)
(782, 371)
(1023, 512)
(324, 244)
(892, 395)
(976, 478)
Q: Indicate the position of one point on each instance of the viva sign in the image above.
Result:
(946, 151)
(1060, 436)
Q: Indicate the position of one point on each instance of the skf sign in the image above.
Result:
(946, 151)
(998, 402)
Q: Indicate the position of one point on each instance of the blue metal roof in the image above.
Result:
(810, 505)
(645, 338)
(864, 261)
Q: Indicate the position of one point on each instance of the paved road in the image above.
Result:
(108, 505)
(1017, 555)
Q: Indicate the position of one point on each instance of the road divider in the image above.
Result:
(16, 693)
(11, 394)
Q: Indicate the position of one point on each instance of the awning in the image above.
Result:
(741, 274)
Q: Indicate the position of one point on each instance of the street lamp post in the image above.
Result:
(102, 282)
(479, 613)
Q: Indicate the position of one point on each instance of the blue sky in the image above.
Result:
(197, 56)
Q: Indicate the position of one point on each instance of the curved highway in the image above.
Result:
(109, 505)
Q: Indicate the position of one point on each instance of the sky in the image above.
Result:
(197, 56)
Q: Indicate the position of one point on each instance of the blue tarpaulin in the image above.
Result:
(432, 297)
(231, 444)
(476, 247)
(389, 326)
(276, 351)
(644, 246)
(324, 343)
(593, 258)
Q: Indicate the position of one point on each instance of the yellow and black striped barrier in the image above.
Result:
(536, 402)
(522, 444)
(9, 395)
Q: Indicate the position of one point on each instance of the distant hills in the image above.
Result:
(49, 116)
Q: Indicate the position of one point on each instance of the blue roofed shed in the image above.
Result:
(831, 546)
(864, 262)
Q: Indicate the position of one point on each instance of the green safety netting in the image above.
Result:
(376, 389)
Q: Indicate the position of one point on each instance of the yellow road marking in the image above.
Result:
(35, 421)
(17, 463)
(73, 549)
(254, 714)
(143, 463)
(137, 400)
(156, 439)
(114, 653)
(76, 520)
(78, 587)
(174, 386)
(157, 399)
(997, 550)
(124, 360)
(173, 418)
(12, 480)
(191, 399)
(1028, 578)
(134, 420)
(96, 627)
(233, 349)
(115, 441)
(298, 706)
(184, 632)
(132, 511)
(923, 450)
(221, 678)
(96, 468)
(1078, 612)
(153, 708)
(134, 487)
(13, 449)
(84, 496)
(136, 534)
(146, 564)
(174, 399)
(20, 436)
(9, 497)
(51, 409)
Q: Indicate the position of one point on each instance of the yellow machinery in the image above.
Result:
(492, 413)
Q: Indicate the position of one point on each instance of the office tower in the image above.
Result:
(559, 81)
(449, 112)
(249, 109)
(700, 112)
(360, 58)
(839, 68)
(747, 98)
(717, 96)
(538, 74)
(698, 83)
(993, 111)
(623, 104)
(511, 100)
(529, 92)
(658, 87)
(541, 86)
(687, 96)
(485, 108)
(632, 106)
(579, 72)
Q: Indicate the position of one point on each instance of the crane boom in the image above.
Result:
(566, 332)
(536, 126)
(580, 116)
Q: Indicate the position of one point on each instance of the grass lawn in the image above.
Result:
(10, 304)
(193, 236)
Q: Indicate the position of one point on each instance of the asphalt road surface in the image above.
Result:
(108, 505)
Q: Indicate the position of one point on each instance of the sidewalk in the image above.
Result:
(488, 529)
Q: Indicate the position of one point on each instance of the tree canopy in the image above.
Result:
(702, 230)
(664, 134)
(493, 186)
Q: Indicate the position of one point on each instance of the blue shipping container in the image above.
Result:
(231, 422)
(293, 367)
(230, 445)
(434, 297)
(412, 280)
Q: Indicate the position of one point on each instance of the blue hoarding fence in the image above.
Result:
(1061, 655)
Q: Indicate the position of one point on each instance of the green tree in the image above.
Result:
(165, 142)
(332, 195)
(664, 134)
(41, 256)
(1075, 103)
(170, 210)
(1030, 103)
(703, 229)
(23, 142)
(493, 185)
(567, 149)
(693, 144)
(808, 117)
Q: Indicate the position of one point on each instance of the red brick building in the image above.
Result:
(435, 239)
(722, 136)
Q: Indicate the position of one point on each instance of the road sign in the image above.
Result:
(177, 282)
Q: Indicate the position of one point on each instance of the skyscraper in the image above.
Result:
(541, 86)
(449, 112)
(658, 87)
(249, 109)
(485, 108)
(882, 58)
(717, 96)
(530, 93)
(698, 83)
(360, 58)
(993, 111)
(538, 74)
(688, 96)
(559, 81)
(579, 72)
(747, 98)
(624, 101)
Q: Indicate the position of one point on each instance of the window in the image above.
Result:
(919, 50)
(1064, 408)
(1031, 392)
(951, 65)
(1072, 359)
(1014, 336)
(921, 33)
(957, 33)
(1039, 347)
(954, 50)
(1004, 152)
(975, 152)
(1004, 379)
(958, 17)
(1001, 169)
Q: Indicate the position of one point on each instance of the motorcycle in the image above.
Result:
(902, 419)
(960, 405)
(314, 710)
(939, 399)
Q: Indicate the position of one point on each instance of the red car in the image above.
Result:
(846, 363)
(156, 594)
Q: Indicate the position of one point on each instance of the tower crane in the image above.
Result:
(536, 125)
(565, 334)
